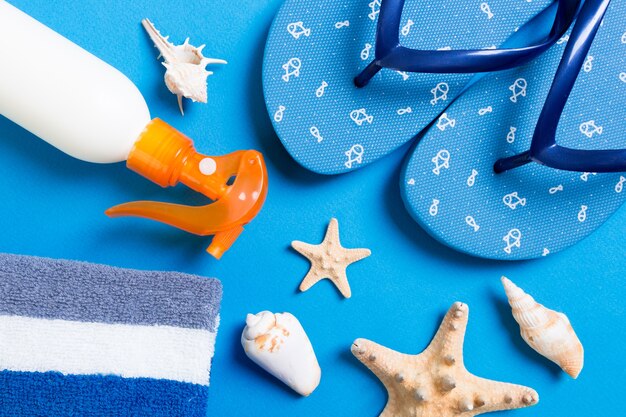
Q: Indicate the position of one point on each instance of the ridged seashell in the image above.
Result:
(278, 344)
(547, 331)
(186, 74)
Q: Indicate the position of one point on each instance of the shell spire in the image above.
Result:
(547, 331)
(186, 74)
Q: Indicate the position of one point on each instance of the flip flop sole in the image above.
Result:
(449, 185)
(315, 49)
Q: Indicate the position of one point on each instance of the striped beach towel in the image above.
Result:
(79, 339)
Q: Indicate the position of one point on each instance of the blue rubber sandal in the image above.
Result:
(481, 182)
(317, 54)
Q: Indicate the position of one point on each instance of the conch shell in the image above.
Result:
(547, 331)
(186, 74)
(278, 344)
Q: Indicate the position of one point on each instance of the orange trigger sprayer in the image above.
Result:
(165, 156)
(91, 111)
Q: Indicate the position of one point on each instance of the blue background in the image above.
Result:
(53, 206)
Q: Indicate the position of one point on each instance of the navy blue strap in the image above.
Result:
(390, 54)
(544, 148)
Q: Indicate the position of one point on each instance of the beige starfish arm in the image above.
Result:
(387, 364)
(353, 255)
(305, 249)
(332, 232)
(492, 395)
(448, 342)
(311, 278)
(340, 279)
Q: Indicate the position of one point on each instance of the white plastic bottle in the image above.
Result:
(91, 111)
(60, 102)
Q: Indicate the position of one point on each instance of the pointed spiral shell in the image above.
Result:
(547, 331)
(186, 74)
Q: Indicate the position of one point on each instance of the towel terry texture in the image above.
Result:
(92, 340)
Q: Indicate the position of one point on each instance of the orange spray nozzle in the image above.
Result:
(165, 156)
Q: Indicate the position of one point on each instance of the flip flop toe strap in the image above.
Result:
(390, 54)
(544, 148)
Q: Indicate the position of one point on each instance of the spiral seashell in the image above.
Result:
(547, 331)
(186, 75)
(278, 344)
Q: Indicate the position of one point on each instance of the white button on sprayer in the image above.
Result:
(208, 166)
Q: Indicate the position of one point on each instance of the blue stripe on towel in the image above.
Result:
(52, 394)
(78, 303)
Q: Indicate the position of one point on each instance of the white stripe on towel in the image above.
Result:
(80, 348)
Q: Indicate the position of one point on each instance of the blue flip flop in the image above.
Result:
(557, 164)
(318, 52)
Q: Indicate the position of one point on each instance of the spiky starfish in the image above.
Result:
(329, 260)
(435, 383)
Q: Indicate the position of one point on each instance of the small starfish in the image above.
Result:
(435, 382)
(329, 260)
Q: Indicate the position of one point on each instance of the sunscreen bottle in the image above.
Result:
(91, 111)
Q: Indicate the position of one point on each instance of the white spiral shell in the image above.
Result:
(547, 331)
(186, 75)
(278, 344)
